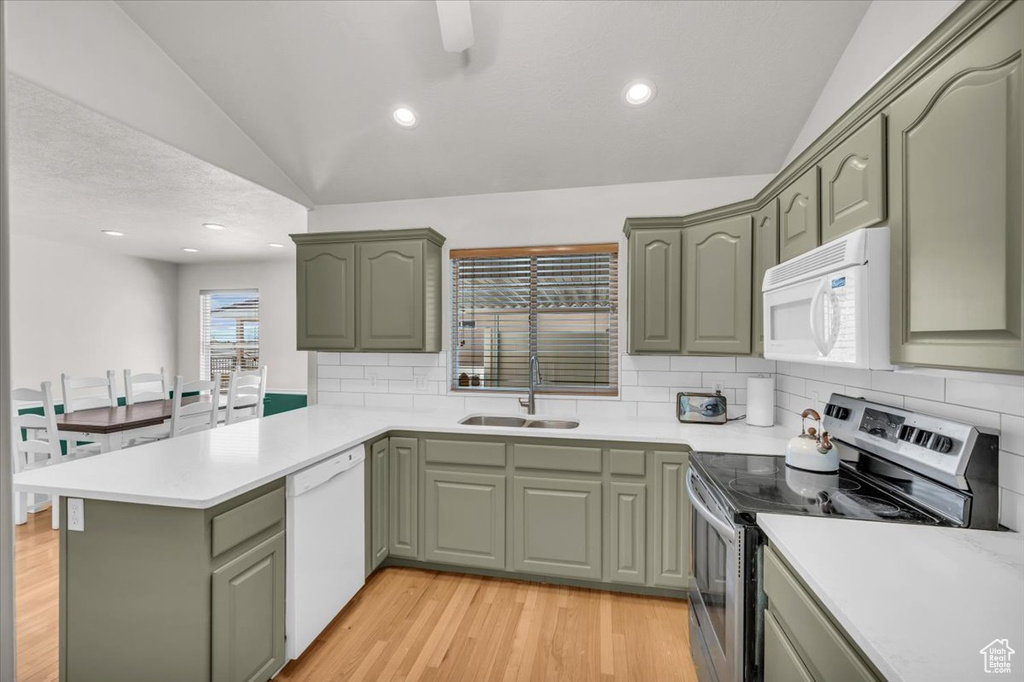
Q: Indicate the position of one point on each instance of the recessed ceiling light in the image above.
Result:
(638, 93)
(275, 245)
(405, 117)
(112, 233)
(190, 250)
(213, 226)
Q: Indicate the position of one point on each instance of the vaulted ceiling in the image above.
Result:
(534, 104)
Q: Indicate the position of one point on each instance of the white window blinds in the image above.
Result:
(558, 303)
(229, 332)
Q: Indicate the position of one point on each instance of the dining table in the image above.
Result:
(113, 427)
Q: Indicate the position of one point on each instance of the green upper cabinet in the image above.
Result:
(655, 290)
(326, 296)
(956, 200)
(766, 255)
(798, 216)
(717, 264)
(853, 182)
(369, 291)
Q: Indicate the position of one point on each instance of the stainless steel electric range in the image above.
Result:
(897, 466)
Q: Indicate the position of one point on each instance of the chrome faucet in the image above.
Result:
(530, 403)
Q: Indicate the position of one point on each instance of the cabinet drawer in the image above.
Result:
(628, 462)
(557, 457)
(781, 661)
(822, 647)
(247, 520)
(480, 453)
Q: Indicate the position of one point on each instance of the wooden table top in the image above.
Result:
(122, 418)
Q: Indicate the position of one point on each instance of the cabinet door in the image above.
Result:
(781, 661)
(671, 513)
(628, 532)
(798, 216)
(766, 255)
(557, 527)
(717, 262)
(247, 620)
(403, 497)
(391, 303)
(465, 518)
(326, 296)
(655, 290)
(379, 484)
(955, 156)
(853, 182)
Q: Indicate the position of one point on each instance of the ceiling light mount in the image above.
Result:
(275, 245)
(405, 117)
(189, 249)
(638, 93)
(213, 226)
(112, 233)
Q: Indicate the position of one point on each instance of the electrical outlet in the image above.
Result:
(76, 513)
(718, 386)
(814, 401)
(419, 383)
(372, 378)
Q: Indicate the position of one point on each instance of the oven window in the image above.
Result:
(710, 561)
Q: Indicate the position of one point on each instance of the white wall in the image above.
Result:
(275, 280)
(83, 311)
(889, 29)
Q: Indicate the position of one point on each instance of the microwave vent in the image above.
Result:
(820, 259)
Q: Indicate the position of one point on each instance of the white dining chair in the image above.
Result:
(246, 391)
(36, 442)
(144, 387)
(194, 416)
(86, 393)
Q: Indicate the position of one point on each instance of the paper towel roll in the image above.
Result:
(761, 401)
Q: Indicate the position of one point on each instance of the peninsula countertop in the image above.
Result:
(203, 469)
(921, 602)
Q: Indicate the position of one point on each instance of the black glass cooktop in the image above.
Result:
(752, 484)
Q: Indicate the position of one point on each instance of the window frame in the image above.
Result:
(205, 355)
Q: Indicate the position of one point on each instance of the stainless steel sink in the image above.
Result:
(501, 420)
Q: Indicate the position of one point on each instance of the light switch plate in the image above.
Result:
(76, 513)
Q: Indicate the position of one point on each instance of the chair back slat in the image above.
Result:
(197, 416)
(144, 387)
(246, 391)
(34, 434)
(84, 393)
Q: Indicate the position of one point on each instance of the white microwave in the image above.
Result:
(830, 306)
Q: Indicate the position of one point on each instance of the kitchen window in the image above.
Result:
(229, 332)
(559, 303)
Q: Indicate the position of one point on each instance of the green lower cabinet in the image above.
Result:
(557, 526)
(627, 532)
(247, 622)
(379, 504)
(670, 509)
(781, 661)
(403, 497)
(465, 518)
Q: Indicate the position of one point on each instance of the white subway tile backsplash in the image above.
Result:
(1011, 472)
(656, 363)
(415, 359)
(388, 373)
(725, 380)
(326, 359)
(430, 373)
(646, 393)
(983, 418)
(684, 363)
(790, 384)
(629, 378)
(755, 365)
(916, 385)
(1011, 434)
(847, 376)
(323, 384)
(362, 358)
(647, 378)
(363, 386)
(1007, 399)
(340, 371)
(1011, 509)
(876, 396)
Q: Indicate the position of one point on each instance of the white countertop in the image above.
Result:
(203, 469)
(921, 602)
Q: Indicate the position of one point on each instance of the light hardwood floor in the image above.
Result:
(409, 625)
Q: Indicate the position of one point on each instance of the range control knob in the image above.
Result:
(836, 411)
(942, 444)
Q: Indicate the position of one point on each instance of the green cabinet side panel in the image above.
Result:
(276, 403)
(465, 518)
(627, 532)
(326, 296)
(717, 266)
(391, 295)
(853, 182)
(248, 602)
(655, 291)
(766, 255)
(403, 497)
(670, 508)
(380, 482)
(557, 525)
(956, 153)
(799, 216)
(781, 661)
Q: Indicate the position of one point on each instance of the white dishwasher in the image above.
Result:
(325, 545)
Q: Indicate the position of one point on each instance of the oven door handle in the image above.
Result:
(727, 532)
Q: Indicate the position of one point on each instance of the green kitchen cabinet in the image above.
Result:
(655, 290)
(247, 627)
(326, 296)
(853, 182)
(798, 216)
(956, 204)
(374, 290)
(766, 255)
(557, 526)
(403, 497)
(627, 532)
(717, 267)
(379, 483)
(781, 661)
(670, 510)
(465, 518)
